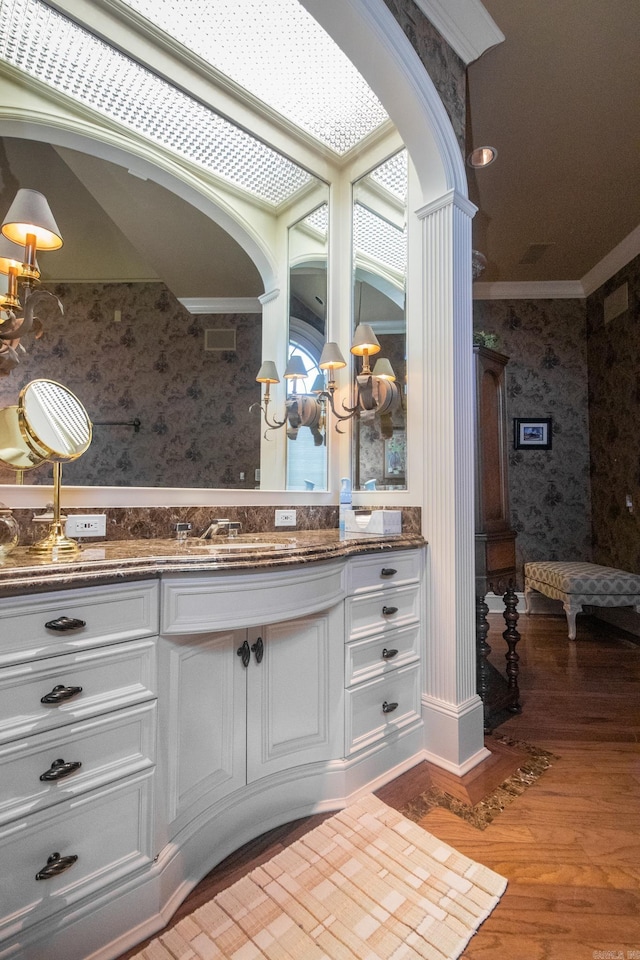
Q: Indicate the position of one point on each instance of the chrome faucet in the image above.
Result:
(221, 528)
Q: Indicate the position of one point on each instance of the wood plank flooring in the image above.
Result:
(570, 845)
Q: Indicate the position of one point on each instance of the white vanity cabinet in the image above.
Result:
(77, 754)
(382, 642)
(186, 715)
(241, 705)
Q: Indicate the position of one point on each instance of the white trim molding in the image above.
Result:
(197, 305)
(530, 290)
(626, 251)
(464, 24)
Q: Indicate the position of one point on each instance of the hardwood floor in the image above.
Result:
(570, 845)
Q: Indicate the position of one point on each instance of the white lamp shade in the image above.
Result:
(364, 341)
(30, 214)
(268, 373)
(318, 384)
(383, 369)
(295, 368)
(331, 357)
(11, 255)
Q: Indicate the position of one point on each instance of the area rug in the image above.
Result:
(486, 810)
(367, 884)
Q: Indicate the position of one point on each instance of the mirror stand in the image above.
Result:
(56, 544)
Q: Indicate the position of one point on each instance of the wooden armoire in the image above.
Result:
(495, 540)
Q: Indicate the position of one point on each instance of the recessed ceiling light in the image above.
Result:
(482, 156)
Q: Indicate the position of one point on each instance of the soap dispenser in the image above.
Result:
(345, 503)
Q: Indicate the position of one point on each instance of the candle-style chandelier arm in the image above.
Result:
(263, 408)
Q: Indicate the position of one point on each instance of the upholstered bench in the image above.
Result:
(581, 584)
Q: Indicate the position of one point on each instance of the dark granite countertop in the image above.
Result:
(23, 572)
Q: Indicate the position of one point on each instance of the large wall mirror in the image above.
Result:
(168, 390)
(379, 283)
(308, 257)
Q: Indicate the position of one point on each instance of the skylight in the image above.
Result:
(59, 53)
(280, 54)
(378, 239)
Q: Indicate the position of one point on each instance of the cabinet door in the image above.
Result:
(203, 710)
(295, 694)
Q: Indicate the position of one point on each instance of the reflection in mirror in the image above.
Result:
(168, 391)
(308, 248)
(379, 274)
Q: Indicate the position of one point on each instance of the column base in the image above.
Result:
(454, 734)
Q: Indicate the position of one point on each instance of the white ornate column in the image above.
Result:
(451, 708)
(273, 451)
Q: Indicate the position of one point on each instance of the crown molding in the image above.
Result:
(197, 305)
(530, 290)
(464, 24)
(626, 251)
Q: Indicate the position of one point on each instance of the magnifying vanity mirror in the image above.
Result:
(379, 282)
(48, 425)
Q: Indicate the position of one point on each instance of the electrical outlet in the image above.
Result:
(285, 518)
(86, 525)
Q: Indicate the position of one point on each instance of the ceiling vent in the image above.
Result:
(215, 339)
(534, 252)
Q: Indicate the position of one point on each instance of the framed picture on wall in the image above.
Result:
(395, 457)
(532, 433)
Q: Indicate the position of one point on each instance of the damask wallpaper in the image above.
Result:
(193, 405)
(614, 413)
(444, 66)
(549, 490)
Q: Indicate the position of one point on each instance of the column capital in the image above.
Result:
(449, 199)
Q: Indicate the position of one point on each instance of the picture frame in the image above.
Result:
(395, 456)
(532, 433)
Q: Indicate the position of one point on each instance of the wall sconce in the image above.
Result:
(29, 226)
(378, 394)
(301, 409)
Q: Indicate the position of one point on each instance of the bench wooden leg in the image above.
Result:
(527, 593)
(571, 610)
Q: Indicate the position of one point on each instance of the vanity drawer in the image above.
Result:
(379, 655)
(109, 831)
(108, 748)
(110, 677)
(110, 614)
(367, 720)
(383, 571)
(382, 611)
(232, 601)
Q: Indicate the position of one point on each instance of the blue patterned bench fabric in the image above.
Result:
(581, 584)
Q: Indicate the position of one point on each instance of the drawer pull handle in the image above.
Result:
(245, 652)
(60, 693)
(55, 866)
(258, 649)
(65, 623)
(389, 611)
(388, 572)
(389, 707)
(389, 654)
(59, 770)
